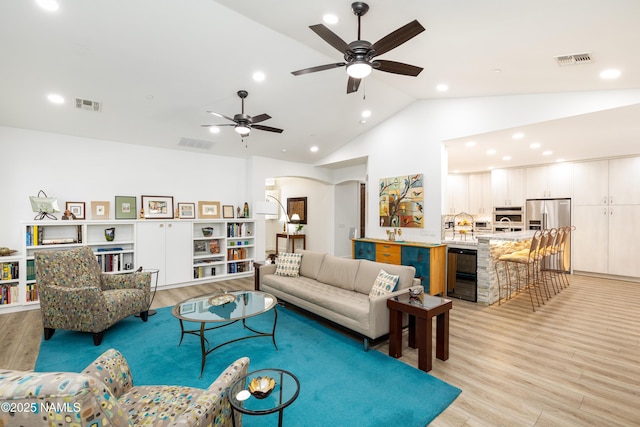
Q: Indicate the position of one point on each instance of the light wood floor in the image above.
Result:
(574, 362)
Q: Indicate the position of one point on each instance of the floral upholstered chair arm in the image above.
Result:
(127, 281)
(71, 297)
(212, 406)
(113, 370)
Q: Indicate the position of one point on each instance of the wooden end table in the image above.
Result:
(420, 310)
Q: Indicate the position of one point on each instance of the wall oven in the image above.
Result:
(509, 218)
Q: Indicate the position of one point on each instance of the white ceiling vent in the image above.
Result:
(195, 143)
(574, 58)
(87, 104)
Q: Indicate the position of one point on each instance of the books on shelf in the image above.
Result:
(35, 236)
(9, 294)
(9, 270)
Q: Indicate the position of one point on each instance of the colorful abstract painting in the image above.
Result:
(402, 201)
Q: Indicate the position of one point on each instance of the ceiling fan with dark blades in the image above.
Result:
(359, 55)
(243, 123)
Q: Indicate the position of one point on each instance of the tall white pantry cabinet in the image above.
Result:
(606, 206)
(177, 248)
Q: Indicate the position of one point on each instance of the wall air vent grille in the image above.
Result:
(87, 104)
(574, 58)
(195, 143)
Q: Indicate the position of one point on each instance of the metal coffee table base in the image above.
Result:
(204, 342)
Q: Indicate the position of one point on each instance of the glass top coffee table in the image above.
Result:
(285, 391)
(217, 310)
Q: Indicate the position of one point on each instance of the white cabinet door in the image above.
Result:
(167, 247)
(536, 182)
(590, 239)
(480, 202)
(591, 183)
(457, 193)
(624, 240)
(179, 252)
(624, 181)
(507, 187)
(559, 180)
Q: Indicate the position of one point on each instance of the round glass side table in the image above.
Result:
(284, 393)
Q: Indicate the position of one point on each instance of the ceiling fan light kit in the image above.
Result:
(359, 54)
(243, 123)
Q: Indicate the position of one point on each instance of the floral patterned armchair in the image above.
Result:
(75, 295)
(104, 394)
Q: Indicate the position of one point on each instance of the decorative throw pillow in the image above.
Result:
(288, 264)
(384, 284)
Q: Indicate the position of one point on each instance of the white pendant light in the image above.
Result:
(242, 129)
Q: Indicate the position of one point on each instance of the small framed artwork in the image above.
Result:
(76, 209)
(209, 209)
(297, 205)
(100, 210)
(187, 210)
(227, 211)
(157, 207)
(126, 207)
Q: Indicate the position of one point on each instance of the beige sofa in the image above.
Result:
(337, 289)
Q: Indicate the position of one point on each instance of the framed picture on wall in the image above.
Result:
(100, 210)
(126, 207)
(209, 210)
(297, 205)
(77, 209)
(157, 207)
(227, 211)
(187, 210)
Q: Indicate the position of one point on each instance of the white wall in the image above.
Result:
(346, 216)
(81, 170)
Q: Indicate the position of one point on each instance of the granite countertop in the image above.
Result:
(514, 236)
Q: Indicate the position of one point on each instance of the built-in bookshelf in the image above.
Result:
(9, 280)
(219, 249)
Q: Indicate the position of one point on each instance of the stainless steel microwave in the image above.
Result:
(509, 214)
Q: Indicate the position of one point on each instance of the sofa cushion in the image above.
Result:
(384, 284)
(288, 264)
(368, 272)
(311, 263)
(339, 272)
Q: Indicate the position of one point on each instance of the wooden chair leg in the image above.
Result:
(144, 315)
(48, 333)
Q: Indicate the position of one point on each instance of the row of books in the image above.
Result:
(237, 230)
(199, 272)
(112, 262)
(237, 253)
(239, 267)
(35, 236)
(32, 292)
(9, 270)
(31, 269)
(9, 294)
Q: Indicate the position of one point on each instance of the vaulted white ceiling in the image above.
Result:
(157, 66)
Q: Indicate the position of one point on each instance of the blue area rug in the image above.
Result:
(340, 384)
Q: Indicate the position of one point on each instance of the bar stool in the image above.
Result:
(529, 260)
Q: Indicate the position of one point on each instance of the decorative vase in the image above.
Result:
(110, 234)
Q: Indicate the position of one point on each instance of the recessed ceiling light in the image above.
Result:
(610, 74)
(330, 19)
(442, 87)
(518, 135)
(214, 129)
(314, 149)
(506, 158)
(258, 76)
(48, 5)
(547, 153)
(497, 70)
(491, 152)
(470, 144)
(535, 145)
(284, 150)
(55, 98)
(363, 122)
(366, 113)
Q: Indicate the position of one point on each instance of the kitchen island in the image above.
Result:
(489, 248)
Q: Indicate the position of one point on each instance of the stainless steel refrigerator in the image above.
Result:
(541, 214)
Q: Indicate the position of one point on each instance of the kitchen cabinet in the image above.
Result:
(480, 202)
(552, 181)
(167, 246)
(507, 187)
(457, 199)
(427, 259)
(606, 211)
